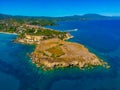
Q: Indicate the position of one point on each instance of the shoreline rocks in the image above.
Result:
(75, 55)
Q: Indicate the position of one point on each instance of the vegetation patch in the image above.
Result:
(56, 51)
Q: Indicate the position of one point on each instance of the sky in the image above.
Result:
(59, 7)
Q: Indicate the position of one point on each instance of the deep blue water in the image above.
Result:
(100, 37)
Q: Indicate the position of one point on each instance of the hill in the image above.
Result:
(64, 18)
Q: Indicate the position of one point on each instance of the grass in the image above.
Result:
(56, 51)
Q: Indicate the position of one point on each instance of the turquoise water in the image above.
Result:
(101, 37)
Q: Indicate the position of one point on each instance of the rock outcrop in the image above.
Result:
(58, 53)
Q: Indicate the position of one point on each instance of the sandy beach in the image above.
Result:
(9, 33)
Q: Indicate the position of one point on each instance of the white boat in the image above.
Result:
(75, 29)
(72, 30)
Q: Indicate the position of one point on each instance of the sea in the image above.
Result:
(101, 37)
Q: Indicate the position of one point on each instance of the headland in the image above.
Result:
(52, 50)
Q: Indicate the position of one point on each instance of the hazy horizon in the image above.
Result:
(59, 16)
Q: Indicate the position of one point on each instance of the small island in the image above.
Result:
(52, 50)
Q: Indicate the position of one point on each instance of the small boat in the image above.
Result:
(75, 29)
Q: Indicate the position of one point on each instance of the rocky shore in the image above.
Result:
(54, 53)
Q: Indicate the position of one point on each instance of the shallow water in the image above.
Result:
(100, 37)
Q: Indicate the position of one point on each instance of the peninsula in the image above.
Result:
(52, 50)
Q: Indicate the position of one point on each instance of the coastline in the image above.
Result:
(8, 33)
(73, 55)
(74, 60)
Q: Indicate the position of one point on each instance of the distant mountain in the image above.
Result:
(65, 18)
(85, 17)
(95, 16)
(4, 16)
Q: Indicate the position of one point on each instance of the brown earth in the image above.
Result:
(58, 53)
